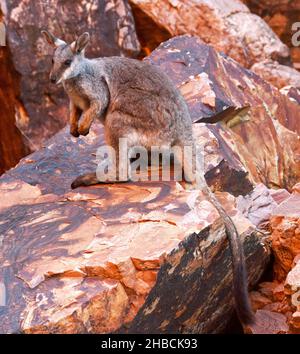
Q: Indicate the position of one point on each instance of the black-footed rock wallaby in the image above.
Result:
(136, 101)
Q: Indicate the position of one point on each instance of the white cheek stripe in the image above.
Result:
(66, 75)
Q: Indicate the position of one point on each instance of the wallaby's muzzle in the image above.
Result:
(53, 79)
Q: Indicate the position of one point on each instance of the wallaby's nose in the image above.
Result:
(53, 79)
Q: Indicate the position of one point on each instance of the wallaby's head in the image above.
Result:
(67, 58)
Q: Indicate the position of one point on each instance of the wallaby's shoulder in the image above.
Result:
(134, 74)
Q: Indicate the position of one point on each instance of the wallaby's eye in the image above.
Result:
(52, 61)
(68, 62)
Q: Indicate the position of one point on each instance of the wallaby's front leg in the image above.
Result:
(75, 114)
(88, 116)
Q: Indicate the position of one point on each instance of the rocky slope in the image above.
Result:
(280, 16)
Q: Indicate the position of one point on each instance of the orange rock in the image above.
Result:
(229, 28)
(268, 322)
(280, 15)
(277, 74)
(293, 290)
(258, 300)
(12, 147)
(285, 225)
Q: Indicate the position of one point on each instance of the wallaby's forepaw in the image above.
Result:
(88, 179)
(189, 186)
(83, 130)
(74, 132)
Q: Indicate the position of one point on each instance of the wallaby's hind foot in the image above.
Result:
(88, 179)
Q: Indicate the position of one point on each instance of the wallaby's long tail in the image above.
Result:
(88, 179)
(240, 284)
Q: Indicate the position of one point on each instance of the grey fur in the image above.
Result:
(137, 101)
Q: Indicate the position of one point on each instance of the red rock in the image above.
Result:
(292, 93)
(127, 245)
(279, 195)
(268, 322)
(285, 239)
(277, 74)
(41, 108)
(230, 28)
(10, 153)
(293, 288)
(285, 224)
(280, 15)
(268, 289)
(99, 258)
(258, 300)
(296, 188)
(257, 206)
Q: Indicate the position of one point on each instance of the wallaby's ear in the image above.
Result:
(80, 44)
(52, 40)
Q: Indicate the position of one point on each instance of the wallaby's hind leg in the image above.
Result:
(88, 179)
(111, 176)
(75, 114)
(185, 156)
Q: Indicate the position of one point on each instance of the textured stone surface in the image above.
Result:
(277, 74)
(285, 224)
(90, 259)
(281, 296)
(292, 93)
(256, 124)
(269, 322)
(12, 146)
(280, 15)
(228, 26)
(44, 109)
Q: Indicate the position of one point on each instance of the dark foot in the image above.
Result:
(74, 132)
(83, 131)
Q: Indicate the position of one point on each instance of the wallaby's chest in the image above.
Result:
(77, 96)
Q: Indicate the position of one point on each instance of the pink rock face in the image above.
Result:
(285, 224)
(282, 295)
(226, 25)
(292, 93)
(293, 291)
(280, 16)
(98, 258)
(268, 322)
(277, 74)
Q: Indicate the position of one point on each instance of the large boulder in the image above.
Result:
(228, 26)
(101, 258)
(40, 108)
(280, 16)
(277, 74)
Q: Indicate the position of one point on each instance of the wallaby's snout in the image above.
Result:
(66, 59)
(53, 79)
